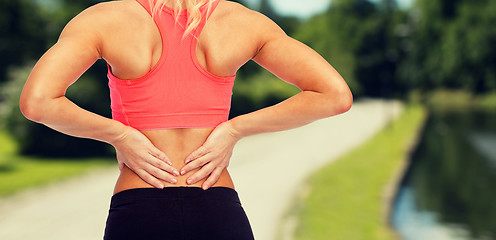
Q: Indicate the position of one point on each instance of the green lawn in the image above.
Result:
(20, 172)
(346, 198)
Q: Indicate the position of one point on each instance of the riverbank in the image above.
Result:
(345, 199)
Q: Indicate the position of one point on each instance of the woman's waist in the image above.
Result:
(130, 180)
(177, 144)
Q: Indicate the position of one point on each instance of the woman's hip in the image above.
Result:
(177, 213)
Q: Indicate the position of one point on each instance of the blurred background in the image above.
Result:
(439, 54)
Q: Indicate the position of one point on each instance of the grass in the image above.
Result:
(346, 198)
(19, 172)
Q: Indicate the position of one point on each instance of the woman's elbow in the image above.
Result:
(346, 100)
(31, 107)
(339, 101)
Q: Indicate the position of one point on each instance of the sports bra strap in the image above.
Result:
(147, 5)
(214, 6)
(204, 20)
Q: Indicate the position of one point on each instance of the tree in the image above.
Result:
(453, 45)
(22, 33)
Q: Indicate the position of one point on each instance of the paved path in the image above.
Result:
(267, 170)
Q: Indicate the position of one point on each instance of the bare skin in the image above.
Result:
(122, 33)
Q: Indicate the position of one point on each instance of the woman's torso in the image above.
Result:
(177, 144)
(132, 46)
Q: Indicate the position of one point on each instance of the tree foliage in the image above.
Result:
(22, 32)
(453, 45)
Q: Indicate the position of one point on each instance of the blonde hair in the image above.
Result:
(193, 11)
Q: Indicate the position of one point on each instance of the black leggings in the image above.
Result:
(179, 213)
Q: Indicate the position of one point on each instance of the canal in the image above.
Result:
(449, 190)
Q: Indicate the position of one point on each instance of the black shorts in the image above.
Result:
(179, 213)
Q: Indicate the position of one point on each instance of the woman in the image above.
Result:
(172, 65)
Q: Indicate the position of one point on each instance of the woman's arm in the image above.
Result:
(324, 94)
(43, 100)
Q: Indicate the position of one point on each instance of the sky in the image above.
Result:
(309, 7)
(299, 8)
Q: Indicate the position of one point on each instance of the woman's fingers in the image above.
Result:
(196, 154)
(164, 166)
(160, 155)
(201, 174)
(197, 163)
(159, 173)
(212, 179)
(143, 174)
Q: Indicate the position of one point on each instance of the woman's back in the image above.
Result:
(132, 46)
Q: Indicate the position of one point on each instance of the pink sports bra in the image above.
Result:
(178, 92)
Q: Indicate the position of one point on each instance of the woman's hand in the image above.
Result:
(213, 156)
(138, 153)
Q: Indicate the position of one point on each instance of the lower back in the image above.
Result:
(177, 144)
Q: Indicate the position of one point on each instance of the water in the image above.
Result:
(449, 191)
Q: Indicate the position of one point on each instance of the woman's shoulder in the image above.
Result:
(113, 7)
(236, 14)
(108, 20)
(245, 22)
(109, 16)
(249, 24)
